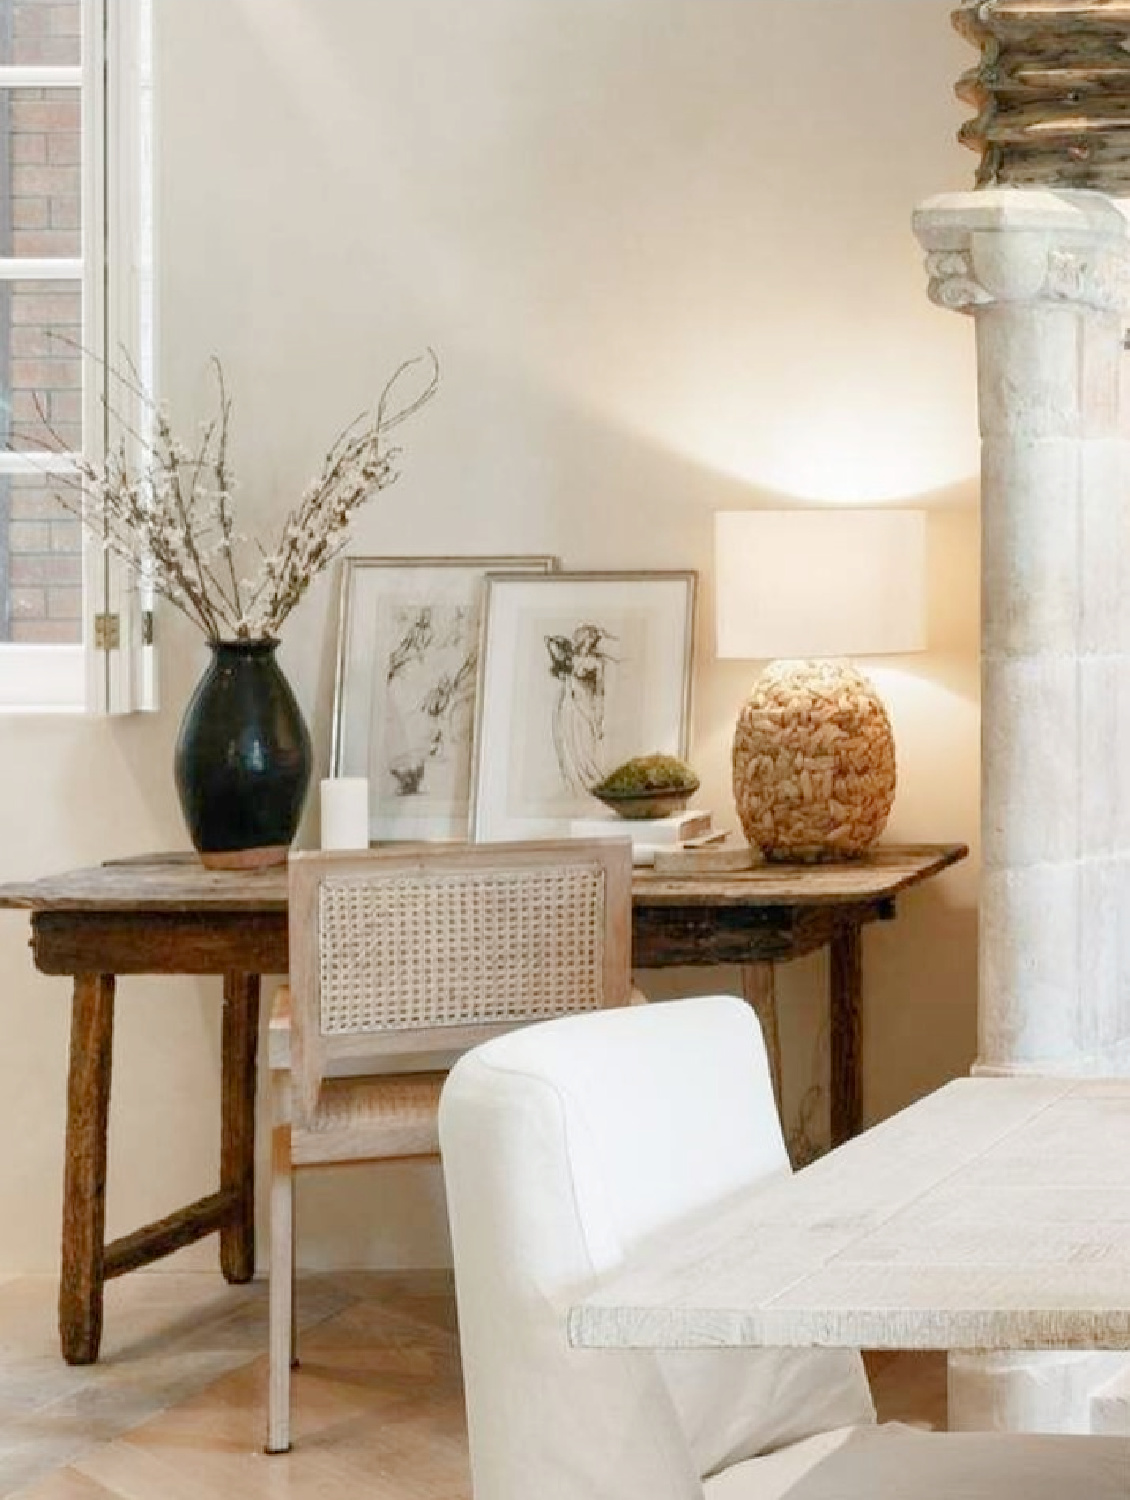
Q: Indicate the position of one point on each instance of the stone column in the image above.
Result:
(1046, 276)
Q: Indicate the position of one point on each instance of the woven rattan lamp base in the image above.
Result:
(814, 762)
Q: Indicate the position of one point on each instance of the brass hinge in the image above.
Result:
(107, 632)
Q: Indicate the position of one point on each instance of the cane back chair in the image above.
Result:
(413, 951)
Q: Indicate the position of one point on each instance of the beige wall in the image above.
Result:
(663, 250)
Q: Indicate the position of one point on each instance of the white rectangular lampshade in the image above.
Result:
(799, 583)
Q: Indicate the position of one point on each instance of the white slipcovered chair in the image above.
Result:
(563, 1147)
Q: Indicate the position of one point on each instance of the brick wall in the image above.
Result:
(41, 31)
(40, 375)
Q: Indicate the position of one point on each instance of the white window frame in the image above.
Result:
(113, 669)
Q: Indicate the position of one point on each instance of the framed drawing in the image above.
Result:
(580, 671)
(404, 695)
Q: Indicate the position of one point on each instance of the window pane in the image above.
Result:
(41, 32)
(41, 558)
(40, 365)
(40, 149)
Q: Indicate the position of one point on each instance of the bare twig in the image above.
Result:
(224, 486)
(170, 513)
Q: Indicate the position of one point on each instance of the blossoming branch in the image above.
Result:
(169, 511)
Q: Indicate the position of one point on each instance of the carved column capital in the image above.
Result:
(1016, 245)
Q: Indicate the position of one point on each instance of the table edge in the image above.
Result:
(647, 891)
(651, 890)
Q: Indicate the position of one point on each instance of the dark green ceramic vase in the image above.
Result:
(242, 760)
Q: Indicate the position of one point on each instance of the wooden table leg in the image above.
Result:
(237, 1138)
(845, 1000)
(760, 991)
(84, 1181)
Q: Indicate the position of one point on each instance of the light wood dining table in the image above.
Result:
(993, 1214)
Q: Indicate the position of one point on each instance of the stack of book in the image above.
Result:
(653, 838)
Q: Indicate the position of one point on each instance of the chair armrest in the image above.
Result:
(278, 1032)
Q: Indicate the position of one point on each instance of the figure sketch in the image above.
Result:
(579, 663)
(430, 677)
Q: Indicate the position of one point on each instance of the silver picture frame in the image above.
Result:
(405, 686)
(579, 671)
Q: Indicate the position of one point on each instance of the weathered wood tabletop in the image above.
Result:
(167, 914)
(179, 882)
(993, 1214)
(879, 874)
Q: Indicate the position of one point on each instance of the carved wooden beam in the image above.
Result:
(1052, 92)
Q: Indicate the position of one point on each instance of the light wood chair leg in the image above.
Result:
(281, 1309)
(293, 1278)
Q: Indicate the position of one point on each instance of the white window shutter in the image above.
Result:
(121, 630)
(121, 648)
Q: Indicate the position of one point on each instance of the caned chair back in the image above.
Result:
(444, 946)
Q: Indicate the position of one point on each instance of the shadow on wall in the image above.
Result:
(919, 1029)
(919, 1021)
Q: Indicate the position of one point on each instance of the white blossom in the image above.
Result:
(170, 514)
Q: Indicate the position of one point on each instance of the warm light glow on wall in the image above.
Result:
(867, 448)
(846, 456)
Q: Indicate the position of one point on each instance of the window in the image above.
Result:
(75, 289)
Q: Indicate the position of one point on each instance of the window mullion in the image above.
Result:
(31, 76)
(40, 268)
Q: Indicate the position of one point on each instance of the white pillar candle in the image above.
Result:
(345, 812)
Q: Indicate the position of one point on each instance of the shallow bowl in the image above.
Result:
(659, 802)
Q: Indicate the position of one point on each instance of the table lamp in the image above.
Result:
(814, 756)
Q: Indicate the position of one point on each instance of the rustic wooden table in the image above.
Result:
(166, 914)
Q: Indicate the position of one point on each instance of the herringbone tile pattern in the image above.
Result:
(176, 1408)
